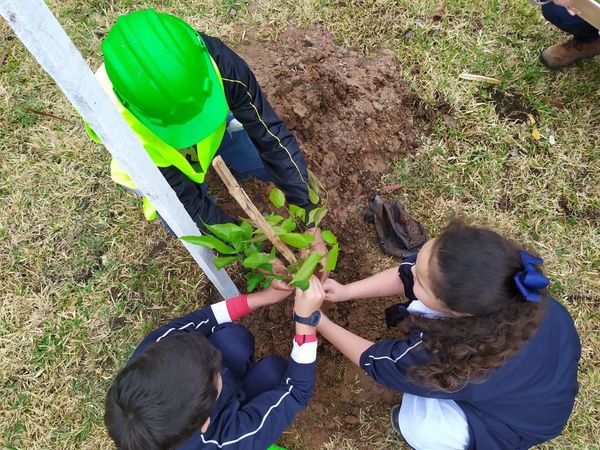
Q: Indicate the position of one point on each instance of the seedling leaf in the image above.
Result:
(257, 259)
(222, 261)
(289, 225)
(316, 216)
(329, 237)
(247, 229)
(332, 257)
(297, 212)
(210, 242)
(253, 280)
(307, 268)
(313, 196)
(273, 219)
(228, 232)
(297, 240)
(277, 198)
(302, 284)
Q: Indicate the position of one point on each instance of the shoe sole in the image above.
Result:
(551, 66)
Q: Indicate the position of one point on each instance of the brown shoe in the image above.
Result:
(565, 54)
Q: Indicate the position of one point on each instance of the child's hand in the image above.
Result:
(280, 285)
(309, 301)
(336, 292)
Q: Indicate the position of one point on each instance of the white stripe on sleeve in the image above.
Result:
(221, 313)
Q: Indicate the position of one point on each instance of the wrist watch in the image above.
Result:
(312, 320)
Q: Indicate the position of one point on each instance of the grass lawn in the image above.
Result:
(83, 276)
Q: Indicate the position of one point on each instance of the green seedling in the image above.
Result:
(247, 244)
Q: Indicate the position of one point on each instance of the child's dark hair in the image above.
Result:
(472, 272)
(165, 395)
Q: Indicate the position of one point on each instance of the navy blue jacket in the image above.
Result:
(525, 402)
(276, 145)
(234, 423)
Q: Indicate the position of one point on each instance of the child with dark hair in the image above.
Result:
(192, 384)
(485, 359)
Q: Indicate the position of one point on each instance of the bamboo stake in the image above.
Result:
(250, 209)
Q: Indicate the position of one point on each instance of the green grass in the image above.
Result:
(83, 276)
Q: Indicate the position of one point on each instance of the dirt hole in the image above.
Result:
(510, 105)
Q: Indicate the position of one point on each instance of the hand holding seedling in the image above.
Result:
(308, 301)
(253, 246)
(336, 292)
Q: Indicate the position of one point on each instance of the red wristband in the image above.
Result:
(304, 338)
(238, 307)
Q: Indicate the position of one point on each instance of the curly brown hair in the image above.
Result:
(472, 272)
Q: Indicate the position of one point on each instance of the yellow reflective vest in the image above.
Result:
(193, 162)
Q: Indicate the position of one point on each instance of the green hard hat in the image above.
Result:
(162, 73)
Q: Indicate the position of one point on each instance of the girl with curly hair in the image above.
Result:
(484, 357)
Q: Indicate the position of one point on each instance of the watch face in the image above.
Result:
(315, 318)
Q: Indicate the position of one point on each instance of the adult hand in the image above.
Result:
(319, 246)
(309, 301)
(565, 4)
(336, 292)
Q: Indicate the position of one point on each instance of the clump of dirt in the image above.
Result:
(353, 117)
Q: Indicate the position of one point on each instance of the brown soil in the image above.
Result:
(353, 117)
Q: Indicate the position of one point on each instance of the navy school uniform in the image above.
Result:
(258, 401)
(523, 403)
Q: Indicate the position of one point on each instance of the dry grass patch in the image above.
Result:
(83, 276)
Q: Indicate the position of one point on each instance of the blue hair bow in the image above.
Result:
(529, 281)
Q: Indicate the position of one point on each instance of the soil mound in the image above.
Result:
(353, 117)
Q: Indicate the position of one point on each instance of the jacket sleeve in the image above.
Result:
(201, 321)
(405, 274)
(261, 421)
(276, 145)
(388, 362)
(199, 205)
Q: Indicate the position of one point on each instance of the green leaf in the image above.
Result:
(313, 196)
(329, 237)
(266, 283)
(210, 242)
(314, 181)
(297, 240)
(332, 258)
(289, 225)
(228, 232)
(297, 212)
(302, 284)
(277, 198)
(253, 280)
(250, 250)
(222, 261)
(273, 219)
(316, 216)
(307, 268)
(266, 267)
(255, 260)
(247, 229)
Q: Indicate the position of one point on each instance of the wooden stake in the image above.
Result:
(250, 209)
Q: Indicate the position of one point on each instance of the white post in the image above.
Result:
(40, 32)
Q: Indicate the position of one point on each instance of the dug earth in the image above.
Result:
(354, 117)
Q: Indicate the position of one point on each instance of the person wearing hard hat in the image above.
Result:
(189, 97)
